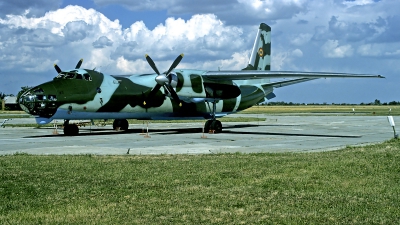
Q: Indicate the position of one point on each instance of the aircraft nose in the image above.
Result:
(39, 101)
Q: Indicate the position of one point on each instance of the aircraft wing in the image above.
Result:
(284, 83)
(260, 74)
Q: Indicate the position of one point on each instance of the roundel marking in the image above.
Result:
(261, 52)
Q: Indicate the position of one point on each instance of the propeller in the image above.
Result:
(57, 68)
(76, 67)
(79, 64)
(164, 80)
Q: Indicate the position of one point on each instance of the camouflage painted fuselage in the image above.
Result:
(88, 94)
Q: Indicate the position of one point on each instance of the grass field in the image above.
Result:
(365, 110)
(357, 185)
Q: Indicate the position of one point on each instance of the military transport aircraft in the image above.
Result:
(81, 94)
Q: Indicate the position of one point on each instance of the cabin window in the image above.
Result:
(78, 76)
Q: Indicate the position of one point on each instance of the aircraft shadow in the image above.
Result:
(170, 131)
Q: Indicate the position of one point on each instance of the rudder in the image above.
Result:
(260, 58)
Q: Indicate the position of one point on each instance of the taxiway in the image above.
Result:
(276, 134)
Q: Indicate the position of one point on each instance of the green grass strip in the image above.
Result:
(357, 185)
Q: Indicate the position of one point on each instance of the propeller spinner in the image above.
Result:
(164, 80)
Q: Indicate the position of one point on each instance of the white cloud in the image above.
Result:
(297, 53)
(331, 49)
(357, 2)
(127, 66)
(102, 42)
(237, 61)
(301, 39)
(203, 35)
(369, 50)
(279, 60)
(77, 32)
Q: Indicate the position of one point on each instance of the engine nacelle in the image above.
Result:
(221, 91)
(173, 79)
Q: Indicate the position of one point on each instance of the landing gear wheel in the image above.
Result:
(216, 125)
(121, 123)
(207, 126)
(71, 129)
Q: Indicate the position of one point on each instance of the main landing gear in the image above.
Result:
(73, 129)
(121, 124)
(213, 124)
(70, 129)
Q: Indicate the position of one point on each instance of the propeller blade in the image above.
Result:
(79, 64)
(57, 68)
(175, 64)
(152, 93)
(152, 64)
(174, 95)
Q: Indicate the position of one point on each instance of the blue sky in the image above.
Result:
(360, 36)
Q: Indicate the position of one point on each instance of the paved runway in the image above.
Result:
(278, 133)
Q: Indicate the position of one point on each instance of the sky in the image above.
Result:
(350, 36)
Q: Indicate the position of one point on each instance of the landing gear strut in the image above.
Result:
(70, 129)
(213, 124)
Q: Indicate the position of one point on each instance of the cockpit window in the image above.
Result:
(70, 75)
(87, 77)
(74, 75)
(61, 75)
(38, 91)
(52, 98)
(40, 97)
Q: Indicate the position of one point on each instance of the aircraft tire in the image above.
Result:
(123, 124)
(207, 126)
(216, 125)
(71, 130)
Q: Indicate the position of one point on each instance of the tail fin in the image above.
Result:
(260, 58)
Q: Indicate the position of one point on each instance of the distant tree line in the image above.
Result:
(376, 102)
